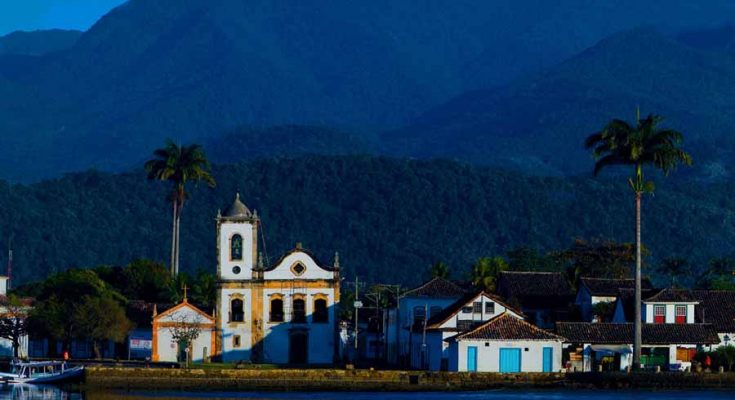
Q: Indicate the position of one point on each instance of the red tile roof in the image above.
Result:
(507, 327)
(613, 333)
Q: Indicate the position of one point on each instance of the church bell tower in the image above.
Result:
(237, 242)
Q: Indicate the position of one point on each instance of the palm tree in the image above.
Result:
(485, 272)
(178, 165)
(439, 270)
(644, 144)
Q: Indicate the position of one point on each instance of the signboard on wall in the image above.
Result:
(140, 344)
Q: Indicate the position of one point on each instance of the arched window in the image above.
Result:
(236, 247)
(321, 314)
(276, 310)
(236, 311)
(299, 311)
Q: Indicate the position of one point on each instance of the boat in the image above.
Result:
(41, 372)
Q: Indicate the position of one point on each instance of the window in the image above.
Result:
(434, 310)
(659, 314)
(236, 270)
(490, 307)
(236, 341)
(477, 307)
(419, 315)
(236, 311)
(298, 269)
(321, 314)
(236, 247)
(276, 310)
(299, 311)
(681, 314)
(466, 310)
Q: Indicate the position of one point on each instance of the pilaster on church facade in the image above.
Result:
(280, 313)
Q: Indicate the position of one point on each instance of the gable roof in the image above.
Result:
(507, 327)
(440, 318)
(610, 287)
(544, 289)
(716, 307)
(437, 287)
(672, 295)
(614, 333)
(183, 304)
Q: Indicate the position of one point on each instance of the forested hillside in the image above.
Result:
(389, 218)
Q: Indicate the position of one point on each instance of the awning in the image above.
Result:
(611, 348)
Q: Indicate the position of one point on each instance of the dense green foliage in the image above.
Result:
(388, 218)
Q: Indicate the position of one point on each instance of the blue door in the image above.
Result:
(548, 359)
(510, 360)
(472, 358)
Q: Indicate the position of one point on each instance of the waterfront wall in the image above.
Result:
(366, 380)
(308, 380)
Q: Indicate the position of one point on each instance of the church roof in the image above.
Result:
(299, 249)
(237, 210)
(184, 304)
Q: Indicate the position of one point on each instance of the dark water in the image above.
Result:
(29, 392)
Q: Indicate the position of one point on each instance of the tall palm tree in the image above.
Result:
(639, 145)
(179, 165)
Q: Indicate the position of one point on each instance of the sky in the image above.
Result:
(29, 15)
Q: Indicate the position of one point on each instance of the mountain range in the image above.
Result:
(385, 71)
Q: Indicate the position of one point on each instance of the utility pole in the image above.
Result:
(10, 261)
(357, 309)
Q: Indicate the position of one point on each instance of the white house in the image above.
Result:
(279, 313)
(405, 323)
(609, 345)
(461, 316)
(183, 320)
(506, 344)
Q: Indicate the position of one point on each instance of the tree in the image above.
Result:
(99, 319)
(56, 313)
(204, 290)
(719, 275)
(13, 322)
(675, 268)
(643, 144)
(597, 258)
(485, 272)
(184, 331)
(726, 356)
(439, 270)
(526, 258)
(179, 165)
(146, 280)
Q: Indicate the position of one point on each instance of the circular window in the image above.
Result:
(236, 270)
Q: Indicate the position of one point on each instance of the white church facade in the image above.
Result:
(283, 313)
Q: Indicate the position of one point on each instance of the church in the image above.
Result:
(281, 313)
